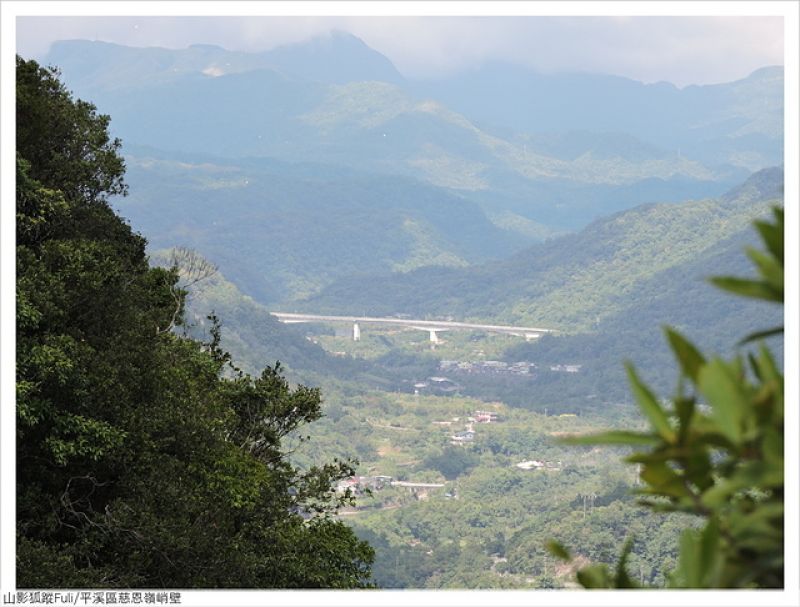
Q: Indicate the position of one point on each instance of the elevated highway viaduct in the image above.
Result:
(434, 327)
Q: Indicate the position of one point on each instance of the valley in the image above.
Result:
(461, 266)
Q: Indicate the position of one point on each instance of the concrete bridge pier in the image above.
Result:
(356, 332)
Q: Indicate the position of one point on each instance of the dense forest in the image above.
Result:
(144, 459)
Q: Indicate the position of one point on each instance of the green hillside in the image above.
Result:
(680, 297)
(487, 524)
(623, 321)
(255, 337)
(282, 231)
(569, 283)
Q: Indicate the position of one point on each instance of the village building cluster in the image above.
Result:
(487, 367)
(359, 484)
(468, 435)
(499, 367)
(445, 386)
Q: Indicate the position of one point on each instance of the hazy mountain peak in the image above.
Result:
(764, 184)
(339, 37)
(336, 57)
(207, 47)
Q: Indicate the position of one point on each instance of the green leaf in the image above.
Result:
(765, 521)
(725, 393)
(772, 233)
(751, 475)
(623, 580)
(558, 550)
(721, 492)
(768, 370)
(595, 576)
(650, 407)
(684, 407)
(769, 267)
(698, 467)
(688, 356)
(686, 574)
(612, 437)
(772, 447)
(748, 288)
(754, 367)
(664, 480)
(709, 553)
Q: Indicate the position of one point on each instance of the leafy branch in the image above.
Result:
(716, 452)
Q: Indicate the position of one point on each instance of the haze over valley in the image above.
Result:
(443, 218)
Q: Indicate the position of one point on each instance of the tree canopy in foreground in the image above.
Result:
(716, 452)
(144, 459)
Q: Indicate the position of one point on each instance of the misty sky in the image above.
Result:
(682, 50)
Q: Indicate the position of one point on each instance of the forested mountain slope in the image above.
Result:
(281, 230)
(680, 297)
(569, 283)
(250, 333)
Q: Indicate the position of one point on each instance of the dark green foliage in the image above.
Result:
(143, 459)
(80, 159)
(717, 453)
(452, 462)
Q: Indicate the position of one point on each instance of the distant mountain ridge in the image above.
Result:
(334, 58)
(554, 150)
(525, 100)
(337, 57)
